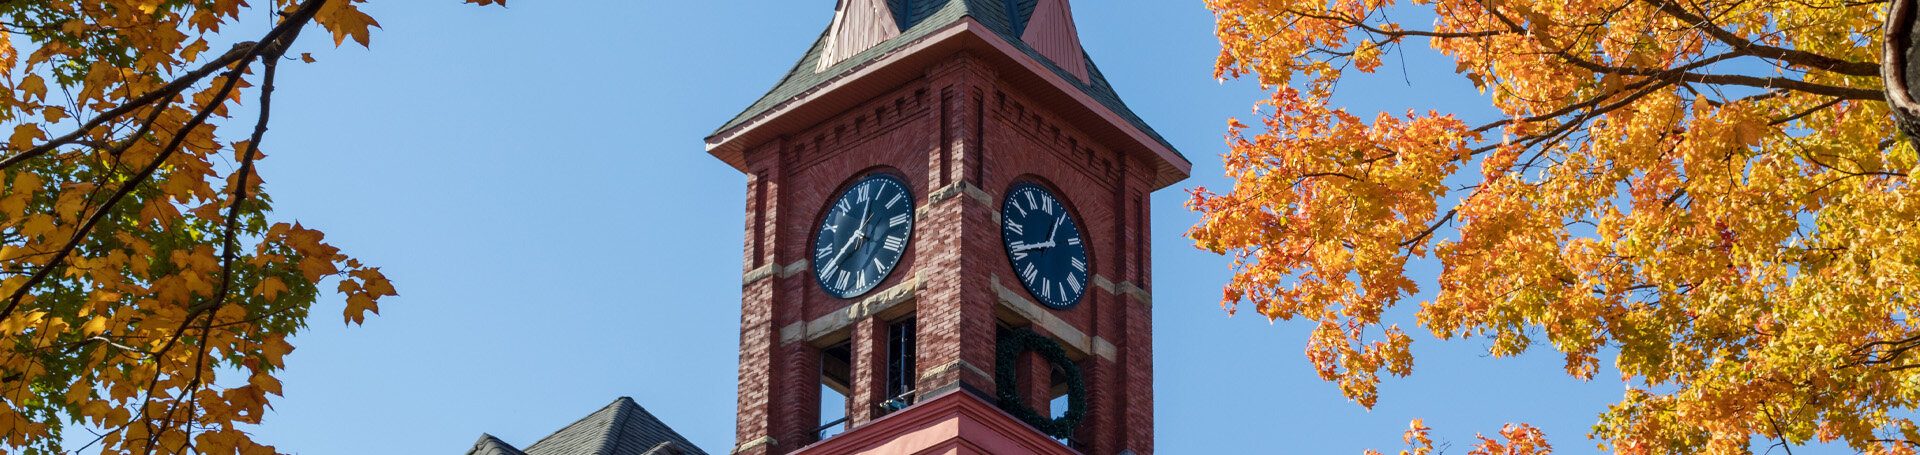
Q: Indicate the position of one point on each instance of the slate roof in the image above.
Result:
(489, 445)
(919, 18)
(620, 428)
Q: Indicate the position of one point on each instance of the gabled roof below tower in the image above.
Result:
(921, 21)
(620, 428)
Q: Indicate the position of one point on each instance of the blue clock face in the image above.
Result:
(1043, 242)
(863, 235)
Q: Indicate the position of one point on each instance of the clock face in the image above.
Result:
(1043, 242)
(863, 235)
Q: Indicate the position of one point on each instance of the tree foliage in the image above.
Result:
(145, 293)
(1706, 193)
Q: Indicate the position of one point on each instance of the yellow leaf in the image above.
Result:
(25, 135)
(94, 327)
(34, 86)
(266, 383)
(271, 288)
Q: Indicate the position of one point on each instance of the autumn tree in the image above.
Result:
(1708, 195)
(146, 292)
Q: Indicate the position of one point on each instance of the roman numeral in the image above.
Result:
(1073, 282)
(896, 199)
(1016, 228)
(895, 244)
(1063, 293)
(841, 284)
(1079, 265)
(863, 191)
(1029, 273)
(1073, 241)
(878, 266)
(1021, 256)
(843, 206)
(861, 280)
(900, 219)
(824, 252)
(1046, 286)
(1046, 204)
(1030, 202)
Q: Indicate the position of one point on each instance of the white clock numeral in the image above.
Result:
(864, 189)
(1073, 282)
(1030, 202)
(896, 199)
(1046, 204)
(878, 266)
(1021, 256)
(1046, 285)
(860, 280)
(1073, 241)
(1016, 228)
(1063, 293)
(900, 219)
(842, 282)
(1080, 265)
(895, 244)
(843, 206)
(824, 252)
(1029, 273)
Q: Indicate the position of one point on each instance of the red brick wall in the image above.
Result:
(959, 124)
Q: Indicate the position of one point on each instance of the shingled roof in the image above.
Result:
(920, 18)
(620, 428)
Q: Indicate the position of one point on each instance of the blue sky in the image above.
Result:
(533, 180)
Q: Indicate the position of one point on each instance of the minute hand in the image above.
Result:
(1036, 246)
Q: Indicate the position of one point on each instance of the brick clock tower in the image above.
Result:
(947, 240)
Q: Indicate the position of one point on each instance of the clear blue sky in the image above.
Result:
(533, 180)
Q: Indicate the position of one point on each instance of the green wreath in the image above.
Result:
(1007, 353)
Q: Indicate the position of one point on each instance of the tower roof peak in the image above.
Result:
(864, 32)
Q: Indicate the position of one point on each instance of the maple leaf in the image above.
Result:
(1711, 194)
(137, 253)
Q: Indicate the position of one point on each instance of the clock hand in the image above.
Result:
(1036, 246)
(835, 263)
(1056, 229)
(859, 233)
(1050, 238)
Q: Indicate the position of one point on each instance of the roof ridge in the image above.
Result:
(622, 407)
(489, 441)
(578, 422)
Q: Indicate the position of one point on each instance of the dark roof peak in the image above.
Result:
(622, 427)
(490, 445)
(830, 57)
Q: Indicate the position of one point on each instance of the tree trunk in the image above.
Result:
(1898, 67)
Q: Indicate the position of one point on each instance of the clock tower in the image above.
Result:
(947, 240)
